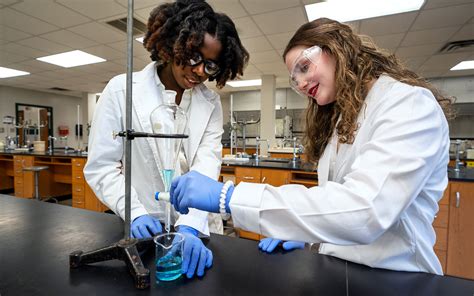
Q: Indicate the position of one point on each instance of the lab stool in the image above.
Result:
(36, 170)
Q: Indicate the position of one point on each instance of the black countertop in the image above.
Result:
(37, 238)
(56, 153)
(464, 174)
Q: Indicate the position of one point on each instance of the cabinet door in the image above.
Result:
(274, 177)
(460, 259)
(248, 175)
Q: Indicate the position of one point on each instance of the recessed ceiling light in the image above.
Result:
(140, 39)
(71, 59)
(464, 65)
(244, 83)
(7, 72)
(351, 10)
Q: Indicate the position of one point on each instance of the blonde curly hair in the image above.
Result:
(358, 62)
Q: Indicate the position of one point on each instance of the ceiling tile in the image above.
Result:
(10, 34)
(265, 57)
(44, 45)
(141, 3)
(442, 3)
(138, 49)
(389, 42)
(280, 41)
(419, 50)
(95, 9)
(256, 44)
(428, 36)
(7, 58)
(262, 6)
(51, 12)
(100, 33)
(143, 14)
(230, 7)
(251, 70)
(106, 52)
(388, 24)
(443, 61)
(413, 63)
(26, 51)
(24, 22)
(453, 15)
(281, 21)
(466, 33)
(246, 27)
(69, 38)
(40, 66)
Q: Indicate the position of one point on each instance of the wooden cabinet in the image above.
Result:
(460, 255)
(6, 172)
(82, 195)
(249, 175)
(440, 225)
(274, 177)
(23, 181)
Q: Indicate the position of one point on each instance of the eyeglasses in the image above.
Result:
(210, 67)
(303, 69)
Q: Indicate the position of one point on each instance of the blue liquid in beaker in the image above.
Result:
(168, 268)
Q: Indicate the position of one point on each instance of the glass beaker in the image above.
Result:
(169, 256)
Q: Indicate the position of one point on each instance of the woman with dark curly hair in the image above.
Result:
(189, 43)
(381, 140)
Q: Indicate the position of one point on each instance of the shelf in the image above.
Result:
(304, 182)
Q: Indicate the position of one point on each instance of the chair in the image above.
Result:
(36, 170)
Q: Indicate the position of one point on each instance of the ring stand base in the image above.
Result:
(126, 250)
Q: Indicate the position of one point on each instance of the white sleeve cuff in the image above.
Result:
(245, 206)
(196, 219)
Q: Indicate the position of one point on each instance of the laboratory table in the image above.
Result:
(37, 238)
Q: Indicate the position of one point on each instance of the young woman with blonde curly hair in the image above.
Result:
(380, 137)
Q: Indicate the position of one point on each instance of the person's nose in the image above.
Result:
(302, 85)
(199, 70)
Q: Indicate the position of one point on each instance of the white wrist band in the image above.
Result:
(225, 188)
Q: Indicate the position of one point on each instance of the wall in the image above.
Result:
(64, 109)
(460, 87)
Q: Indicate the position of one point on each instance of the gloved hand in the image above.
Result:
(195, 190)
(145, 226)
(269, 244)
(196, 257)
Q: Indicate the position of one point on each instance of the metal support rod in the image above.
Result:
(128, 120)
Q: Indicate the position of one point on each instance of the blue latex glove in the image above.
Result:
(194, 190)
(145, 226)
(196, 257)
(269, 244)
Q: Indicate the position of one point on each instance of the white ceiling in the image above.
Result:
(35, 28)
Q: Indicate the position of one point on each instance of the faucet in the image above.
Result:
(51, 144)
(258, 145)
(458, 162)
(294, 140)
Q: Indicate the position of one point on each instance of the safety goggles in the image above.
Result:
(303, 70)
(210, 67)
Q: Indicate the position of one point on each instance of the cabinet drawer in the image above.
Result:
(441, 218)
(78, 164)
(441, 239)
(78, 204)
(248, 175)
(77, 189)
(78, 178)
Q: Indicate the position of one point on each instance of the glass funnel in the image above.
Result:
(169, 120)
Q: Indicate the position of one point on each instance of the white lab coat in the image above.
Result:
(376, 198)
(104, 167)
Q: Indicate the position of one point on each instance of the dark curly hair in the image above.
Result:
(358, 61)
(176, 32)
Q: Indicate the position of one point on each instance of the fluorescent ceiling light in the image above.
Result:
(244, 83)
(140, 39)
(7, 72)
(464, 65)
(71, 59)
(351, 10)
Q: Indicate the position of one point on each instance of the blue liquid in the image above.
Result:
(168, 268)
(167, 176)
